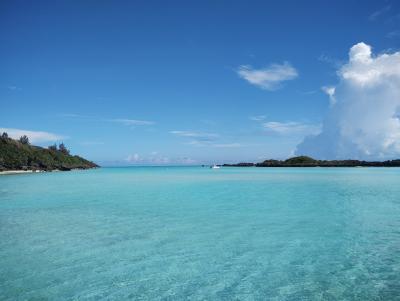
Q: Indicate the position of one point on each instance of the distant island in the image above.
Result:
(20, 155)
(304, 161)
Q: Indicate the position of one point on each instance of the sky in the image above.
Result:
(199, 82)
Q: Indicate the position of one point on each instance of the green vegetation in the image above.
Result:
(24, 139)
(20, 155)
(304, 161)
(301, 160)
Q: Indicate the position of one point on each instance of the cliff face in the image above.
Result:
(15, 155)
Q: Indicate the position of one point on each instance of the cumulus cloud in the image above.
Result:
(364, 122)
(269, 78)
(291, 128)
(34, 136)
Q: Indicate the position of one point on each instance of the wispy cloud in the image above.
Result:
(291, 128)
(156, 159)
(269, 78)
(258, 118)
(194, 134)
(72, 115)
(393, 34)
(393, 19)
(334, 62)
(123, 121)
(198, 142)
(130, 122)
(204, 139)
(207, 143)
(227, 145)
(378, 13)
(34, 136)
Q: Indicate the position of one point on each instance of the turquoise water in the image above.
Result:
(192, 233)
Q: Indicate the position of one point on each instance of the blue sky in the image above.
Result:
(146, 82)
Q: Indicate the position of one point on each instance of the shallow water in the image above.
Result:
(192, 233)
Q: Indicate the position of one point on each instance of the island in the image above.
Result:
(305, 161)
(20, 156)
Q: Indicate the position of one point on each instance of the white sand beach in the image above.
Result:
(12, 172)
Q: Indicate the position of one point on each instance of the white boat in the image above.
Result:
(215, 166)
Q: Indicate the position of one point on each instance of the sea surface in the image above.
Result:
(193, 233)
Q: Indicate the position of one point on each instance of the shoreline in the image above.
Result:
(15, 172)
(29, 171)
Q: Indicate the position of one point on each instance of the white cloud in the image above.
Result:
(291, 128)
(269, 78)
(123, 121)
(330, 91)
(193, 134)
(132, 122)
(34, 136)
(365, 71)
(364, 123)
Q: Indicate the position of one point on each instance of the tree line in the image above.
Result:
(24, 139)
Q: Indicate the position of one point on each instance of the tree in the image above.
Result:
(4, 135)
(53, 147)
(62, 148)
(24, 139)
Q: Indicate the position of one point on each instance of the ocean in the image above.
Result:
(194, 233)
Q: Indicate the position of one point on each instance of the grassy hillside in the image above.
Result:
(15, 155)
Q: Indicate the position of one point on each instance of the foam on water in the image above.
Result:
(157, 233)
